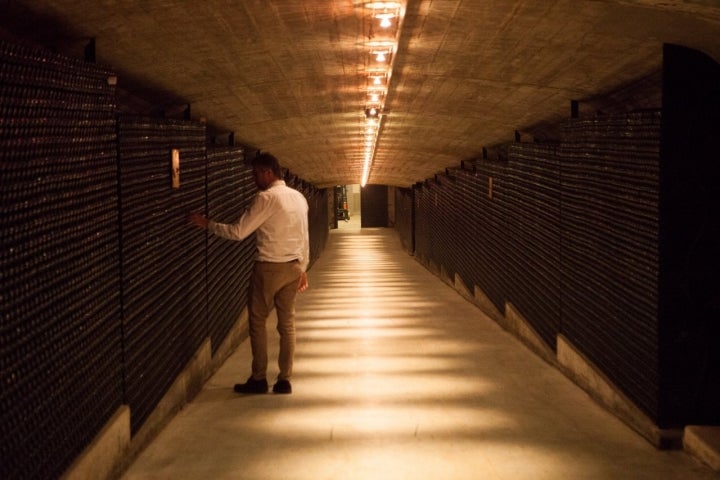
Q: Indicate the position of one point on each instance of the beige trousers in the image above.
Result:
(273, 285)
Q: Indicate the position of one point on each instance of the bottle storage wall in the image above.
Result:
(532, 205)
(610, 192)
(318, 225)
(568, 235)
(609, 237)
(318, 204)
(106, 291)
(230, 187)
(580, 218)
(424, 240)
(61, 360)
(463, 212)
(484, 226)
(404, 218)
(443, 191)
(163, 260)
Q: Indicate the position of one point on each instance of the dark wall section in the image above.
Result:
(106, 291)
(484, 226)
(531, 200)
(609, 255)
(61, 360)
(565, 233)
(318, 219)
(405, 218)
(479, 234)
(230, 187)
(608, 238)
(374, 206)
(690, 237)
(319, 202)
(163, 260)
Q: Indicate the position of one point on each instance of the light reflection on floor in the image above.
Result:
(398, 377)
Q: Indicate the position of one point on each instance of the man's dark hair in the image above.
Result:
(265, 160)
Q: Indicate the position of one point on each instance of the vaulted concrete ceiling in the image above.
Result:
(290, 76)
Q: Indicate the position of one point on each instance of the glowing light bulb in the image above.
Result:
(385, 22)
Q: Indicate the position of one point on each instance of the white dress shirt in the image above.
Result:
(280, 217)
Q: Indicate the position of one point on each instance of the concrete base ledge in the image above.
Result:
(487, 306)
(428, 264)
(591, 379)
(478, 298)
(703, 442)
(461, 287)
(233, 339)
(445, 276)
(517, 324)
(182, 390)
(101, 458)
(113, 450)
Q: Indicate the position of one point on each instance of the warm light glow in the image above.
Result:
(366, 173)
(385, 18)
(381, 44)
(400, 378)
(382, 5)
(378, 74)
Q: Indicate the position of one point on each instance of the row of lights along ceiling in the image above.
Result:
(380, 40)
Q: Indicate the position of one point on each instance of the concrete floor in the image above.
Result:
(398, 377)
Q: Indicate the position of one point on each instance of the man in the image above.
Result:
(279, 214)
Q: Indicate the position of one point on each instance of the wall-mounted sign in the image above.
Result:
(175, 167)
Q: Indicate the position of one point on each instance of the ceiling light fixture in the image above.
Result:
(378, 79)
(386, 12)
(385, 19)
(381, 44)
(372, 112)
(383, 5)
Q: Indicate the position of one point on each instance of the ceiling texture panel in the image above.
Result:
(296, 77)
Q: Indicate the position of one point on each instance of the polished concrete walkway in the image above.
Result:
(398, 377)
